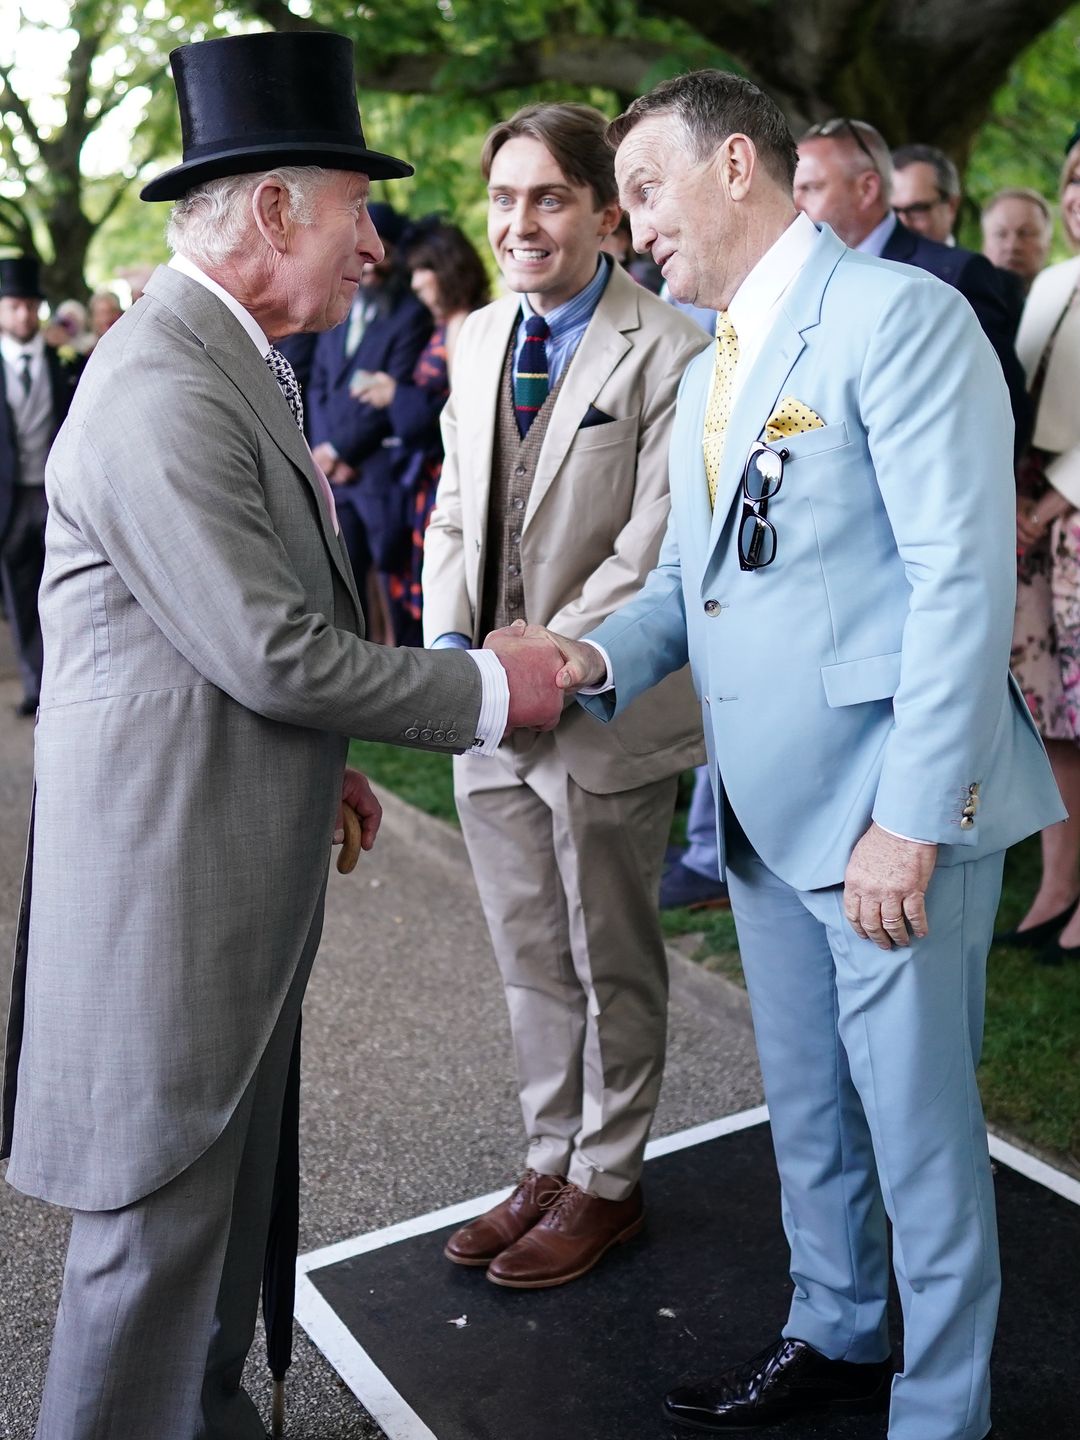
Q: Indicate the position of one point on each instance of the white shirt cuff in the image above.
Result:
(896, 835)
(494, 703)
(609, 683)
(452, 640)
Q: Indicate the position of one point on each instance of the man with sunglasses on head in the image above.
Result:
(838, 570)
(845, 177)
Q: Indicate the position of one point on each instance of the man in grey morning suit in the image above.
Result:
(204, 666)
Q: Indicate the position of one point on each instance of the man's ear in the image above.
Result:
(735, 163)
(608, 219)
(270, 207)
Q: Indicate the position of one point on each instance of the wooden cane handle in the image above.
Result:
(350, 850)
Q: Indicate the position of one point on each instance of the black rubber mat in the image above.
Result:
(706, 1284)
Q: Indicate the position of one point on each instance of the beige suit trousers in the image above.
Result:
(568, 881)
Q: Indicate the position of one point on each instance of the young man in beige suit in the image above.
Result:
(551, 508)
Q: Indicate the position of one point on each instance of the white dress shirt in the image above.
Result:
(12, 351)
(495, 694)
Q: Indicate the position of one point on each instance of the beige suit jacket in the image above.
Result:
(1057, 423)
(596, 514)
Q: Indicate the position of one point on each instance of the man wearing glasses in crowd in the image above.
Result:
(839, 572)
(926, 191)
(845, 178)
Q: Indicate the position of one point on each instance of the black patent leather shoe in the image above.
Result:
(788, 1380)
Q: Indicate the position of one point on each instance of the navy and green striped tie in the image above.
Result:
(531, 375)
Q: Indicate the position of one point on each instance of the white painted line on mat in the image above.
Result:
(356, 1367)
(711, 1130)
(1035, 1169)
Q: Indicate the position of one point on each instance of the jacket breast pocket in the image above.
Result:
(813, 442)
(602, 437)
(853, 682)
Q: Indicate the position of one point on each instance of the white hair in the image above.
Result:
(213, 221)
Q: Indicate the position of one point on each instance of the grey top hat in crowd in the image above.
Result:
(253, 102)
(20, 278)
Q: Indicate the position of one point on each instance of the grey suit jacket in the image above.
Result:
(204, 667)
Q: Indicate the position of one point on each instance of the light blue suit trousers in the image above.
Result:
(868, 1058)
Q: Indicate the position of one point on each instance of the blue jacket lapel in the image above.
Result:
(800, 310)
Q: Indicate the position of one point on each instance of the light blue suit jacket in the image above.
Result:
(865, 672)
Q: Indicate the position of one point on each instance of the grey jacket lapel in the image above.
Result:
(229, 346)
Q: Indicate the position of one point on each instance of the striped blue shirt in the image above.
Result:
(567, 322)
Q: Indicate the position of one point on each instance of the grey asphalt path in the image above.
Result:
(408, 1098)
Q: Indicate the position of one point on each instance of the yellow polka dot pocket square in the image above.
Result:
(791, 417)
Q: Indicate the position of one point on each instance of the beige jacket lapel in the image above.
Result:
(603, 345)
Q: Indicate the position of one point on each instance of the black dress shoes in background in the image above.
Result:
(785, 1381)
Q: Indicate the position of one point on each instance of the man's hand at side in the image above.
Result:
(356, 791)
(885, 888)
(531, 661)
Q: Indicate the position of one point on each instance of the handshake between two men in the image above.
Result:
(543, 670)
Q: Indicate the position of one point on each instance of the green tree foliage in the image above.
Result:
(434, 74)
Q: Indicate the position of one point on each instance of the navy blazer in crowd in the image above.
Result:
(62, 378)
(362, 435)
(392, 343)
(978, 282)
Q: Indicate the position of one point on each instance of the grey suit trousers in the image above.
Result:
(160, 1298)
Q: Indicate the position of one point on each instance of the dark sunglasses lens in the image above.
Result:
(757, 541)
(764, 472)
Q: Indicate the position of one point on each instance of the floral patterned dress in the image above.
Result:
(1046, 635)
(414, 414)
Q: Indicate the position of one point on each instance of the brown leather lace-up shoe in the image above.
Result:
(489, 1234)
(577, 1229)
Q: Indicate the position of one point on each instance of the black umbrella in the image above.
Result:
(282, 1242)
(283, 1235)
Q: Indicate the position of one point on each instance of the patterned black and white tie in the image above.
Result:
(24, 375)
(285, 376)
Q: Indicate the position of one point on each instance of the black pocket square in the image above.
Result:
(593, 416)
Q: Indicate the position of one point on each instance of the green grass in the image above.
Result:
(1030, 1074)
(421, 777)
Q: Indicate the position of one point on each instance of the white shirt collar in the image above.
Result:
(752, 304)
(875, 242)
(191, 270)
(12, 350)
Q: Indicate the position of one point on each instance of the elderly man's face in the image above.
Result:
(327, 258)
(105, 310)
(678, 210)
(1016, 236)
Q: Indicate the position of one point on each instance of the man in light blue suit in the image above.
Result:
(838, 571)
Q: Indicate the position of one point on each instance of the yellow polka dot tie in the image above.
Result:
(718, 409)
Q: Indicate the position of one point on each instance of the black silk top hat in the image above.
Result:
(20, 278)
(253, 102)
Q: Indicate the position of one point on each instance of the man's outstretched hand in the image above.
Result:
(531, 662)
(583, 665)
